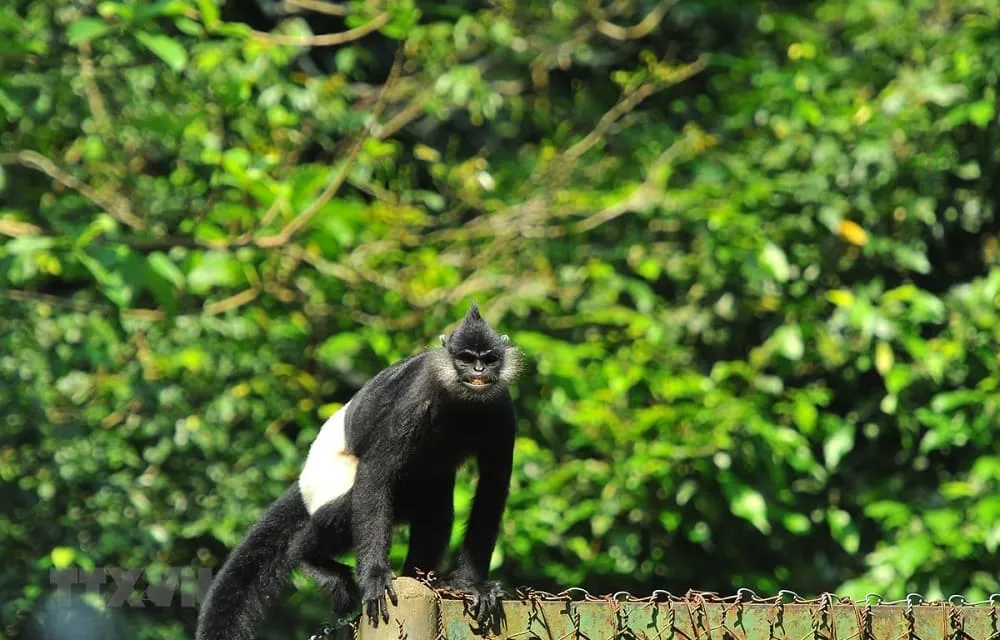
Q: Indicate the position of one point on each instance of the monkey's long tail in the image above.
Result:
(253, 574)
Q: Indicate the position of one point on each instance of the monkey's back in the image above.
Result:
(390, 404)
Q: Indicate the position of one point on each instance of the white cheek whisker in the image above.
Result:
(513, 364)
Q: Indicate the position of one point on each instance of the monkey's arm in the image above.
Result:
(371, 528)
(487, 509)
(495, 461)
(430, 525)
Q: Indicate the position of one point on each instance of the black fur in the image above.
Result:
(409, 427)
(254, 573)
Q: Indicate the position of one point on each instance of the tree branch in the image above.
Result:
(232, 302)
(638, 30)
(116, 205)
(640, 198)
(406, 115)
(327, 39)
(319, 6)
(94, 97)
(16, 228)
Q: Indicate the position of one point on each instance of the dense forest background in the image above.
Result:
(748, 248)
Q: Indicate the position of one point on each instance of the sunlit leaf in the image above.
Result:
(852, 232)
(751, 506)
(774, 258)
(86, 29)
(62, 557)
(838, 444)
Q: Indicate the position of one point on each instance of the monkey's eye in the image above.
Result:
(490, 358)
(466, 357)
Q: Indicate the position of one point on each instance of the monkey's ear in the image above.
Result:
(444, 340)
(505, 339)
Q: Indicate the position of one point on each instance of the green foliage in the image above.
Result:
(750, 251)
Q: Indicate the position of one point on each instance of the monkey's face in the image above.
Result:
(478, 370)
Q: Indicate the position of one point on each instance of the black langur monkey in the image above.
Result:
(388, 456)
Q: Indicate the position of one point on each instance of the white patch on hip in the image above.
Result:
(330, 467)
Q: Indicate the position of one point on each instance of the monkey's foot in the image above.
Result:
(345, 600)
(486, 603)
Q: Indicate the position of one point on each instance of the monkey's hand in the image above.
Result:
(486, 605)
(375, 585)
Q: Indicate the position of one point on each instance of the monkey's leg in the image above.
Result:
(484, 525)
(335, 577)
(430, 526)
(328, 534)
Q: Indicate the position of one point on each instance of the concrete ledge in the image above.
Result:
(416, 617)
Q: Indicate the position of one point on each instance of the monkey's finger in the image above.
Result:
(384, 606)
(489, 603)
(392, 595)
(485, 610)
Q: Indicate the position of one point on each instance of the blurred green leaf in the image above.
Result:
(86, 29)
(62, 557)
(165, 48)
(215, 269)
(774, 258)
(750, 505)
(166, 269)
(838, 444)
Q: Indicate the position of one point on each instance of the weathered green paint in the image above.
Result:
(547, 620)
(692, 618)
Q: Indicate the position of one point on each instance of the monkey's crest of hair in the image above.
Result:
(474, 334)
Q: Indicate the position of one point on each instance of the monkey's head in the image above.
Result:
(481, 360)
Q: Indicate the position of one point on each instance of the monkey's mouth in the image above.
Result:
(476, 383)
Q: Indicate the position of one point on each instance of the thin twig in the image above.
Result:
(319, 6)
(213, 308)
(326, 39)
(517, 218)
(16, 228)
(376, 191)
(36, 297)
(232, 302)
(626, 105)
(408, 114)
(94, 98)
(638, 30)
(272, 211)
(116, 205)
(321, 264)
